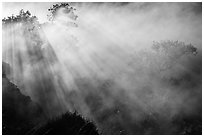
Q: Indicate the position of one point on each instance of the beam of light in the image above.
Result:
(99, 69)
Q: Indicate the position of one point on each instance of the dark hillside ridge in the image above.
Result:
(21, 116)
(67, 124)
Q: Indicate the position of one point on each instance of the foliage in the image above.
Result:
(69, 10)
(23, 17)
(67, 124)
(167, 53)
(169, 46)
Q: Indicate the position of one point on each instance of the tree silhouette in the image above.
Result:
(178, 47)
(23, 17)
(67, 10)
(67, 124)
(167, 53)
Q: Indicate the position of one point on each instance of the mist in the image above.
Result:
(102, 64)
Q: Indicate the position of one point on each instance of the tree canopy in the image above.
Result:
(22, 17)
(69, 10)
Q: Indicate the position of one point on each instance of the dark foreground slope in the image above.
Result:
(20, 115)
(67, 124)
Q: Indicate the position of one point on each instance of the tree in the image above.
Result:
(67, 124)
(171, 51)
(23, 17)
(169, 46)
(67, 9)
